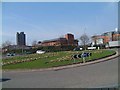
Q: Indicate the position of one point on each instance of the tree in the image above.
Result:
(34, 43)
(39, 42)
(6, 43)
(84, 40)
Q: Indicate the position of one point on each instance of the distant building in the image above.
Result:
(21, 39)
(100, 39)
(68, 39)
(107, 38)
(15, 47)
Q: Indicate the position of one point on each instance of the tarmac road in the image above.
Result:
(103, 74)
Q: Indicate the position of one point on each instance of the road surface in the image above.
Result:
(103, 74)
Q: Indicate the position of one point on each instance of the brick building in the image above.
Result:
(105, 38)
(68, 39)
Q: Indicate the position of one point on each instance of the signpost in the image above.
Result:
(83, 56)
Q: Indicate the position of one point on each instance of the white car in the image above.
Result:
(81, 48)
(40, 52)
(91, 48)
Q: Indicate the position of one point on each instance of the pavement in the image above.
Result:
(88, 75)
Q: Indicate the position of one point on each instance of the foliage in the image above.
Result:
(84, 40)
(44, 48)
(6, 43)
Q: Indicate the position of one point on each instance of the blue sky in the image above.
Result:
(44, 21)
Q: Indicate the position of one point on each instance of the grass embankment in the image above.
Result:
(52, 59)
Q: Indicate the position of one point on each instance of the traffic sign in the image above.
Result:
(75, 56)
(79, 55)
(85, 54)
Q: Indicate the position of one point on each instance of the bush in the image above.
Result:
(44, 48)
(56, 48)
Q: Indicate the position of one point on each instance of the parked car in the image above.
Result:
(10, 54)
(77, 49)
(91, 48)
(40, 52)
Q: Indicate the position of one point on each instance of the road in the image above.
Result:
(103, 74)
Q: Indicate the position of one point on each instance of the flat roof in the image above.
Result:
(52, 40)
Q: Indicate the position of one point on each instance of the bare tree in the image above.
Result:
(84, 40)
(34, 43)
(6, 43)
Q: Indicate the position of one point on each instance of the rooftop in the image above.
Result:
(52, 40)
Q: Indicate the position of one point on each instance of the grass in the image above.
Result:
(52, 58)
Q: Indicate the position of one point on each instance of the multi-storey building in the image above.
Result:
(21, 39)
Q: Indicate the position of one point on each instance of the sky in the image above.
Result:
(48, 20)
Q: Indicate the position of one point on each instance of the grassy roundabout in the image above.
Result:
(36, 61)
